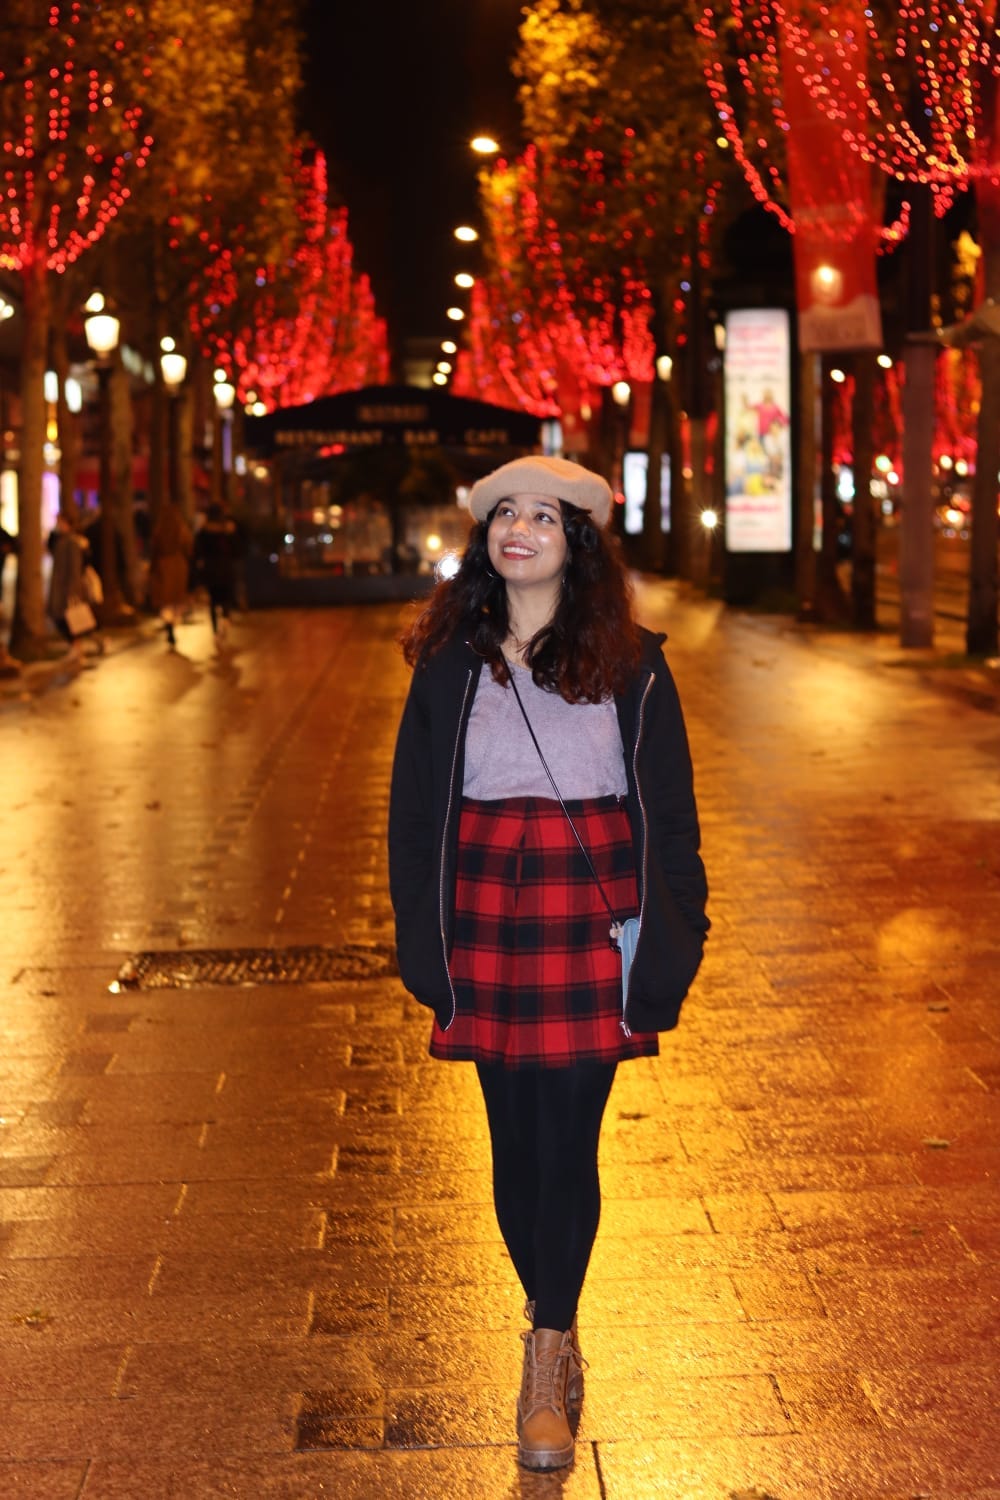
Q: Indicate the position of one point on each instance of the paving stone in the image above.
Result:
(246, 1236)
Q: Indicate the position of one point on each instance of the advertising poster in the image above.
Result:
(758, 431)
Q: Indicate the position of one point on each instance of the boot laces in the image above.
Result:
(544, 1373)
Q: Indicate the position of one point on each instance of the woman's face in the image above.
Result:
(526, 541)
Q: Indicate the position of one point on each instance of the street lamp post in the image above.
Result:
(173, 367)
(224, 393)
(621, 395)
(102, 329)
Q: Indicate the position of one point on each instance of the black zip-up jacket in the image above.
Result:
(424, 805)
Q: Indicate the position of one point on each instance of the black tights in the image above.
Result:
(545, 1124)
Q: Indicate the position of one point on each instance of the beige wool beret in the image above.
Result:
(557, 478)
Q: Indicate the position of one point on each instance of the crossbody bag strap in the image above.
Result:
(615, 923)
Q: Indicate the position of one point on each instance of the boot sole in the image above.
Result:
(549, 1458)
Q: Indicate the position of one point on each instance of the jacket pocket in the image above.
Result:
(420, 954)
(666, 963)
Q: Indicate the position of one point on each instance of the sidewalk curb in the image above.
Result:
(37, 677)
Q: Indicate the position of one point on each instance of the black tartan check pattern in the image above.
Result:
(537, 980)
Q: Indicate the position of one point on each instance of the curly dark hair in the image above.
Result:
(588, 650)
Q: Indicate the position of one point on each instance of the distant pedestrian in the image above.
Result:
(216, 553)
(8, 548)
(542, 722)
(69, 608)
(170, 554)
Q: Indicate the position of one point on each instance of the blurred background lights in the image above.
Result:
(447, 565)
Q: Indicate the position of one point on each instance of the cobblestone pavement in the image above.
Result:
(246, 1241)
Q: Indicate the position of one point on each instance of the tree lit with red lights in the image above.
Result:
(72, 148)
(914, 90)
(309, 325)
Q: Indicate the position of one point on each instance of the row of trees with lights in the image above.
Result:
(138, 157)
(624, 204)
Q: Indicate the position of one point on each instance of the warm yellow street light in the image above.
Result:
(449, 347)
(466, 234)
(438, 378)
(455, 314)
(444, 365)
(101, 327)
(464, 280)
(484, 145)
(172, 364)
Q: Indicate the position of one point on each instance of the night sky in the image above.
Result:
(394, 91)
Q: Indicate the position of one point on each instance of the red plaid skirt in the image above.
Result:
(536, 979)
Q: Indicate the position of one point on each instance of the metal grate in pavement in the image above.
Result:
(192, 967)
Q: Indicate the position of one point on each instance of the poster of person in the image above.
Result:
(758, 431)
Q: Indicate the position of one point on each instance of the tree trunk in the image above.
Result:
(981, 626)
(180, 491)
(28, 632)
(652, 511)
(680, 503)
(808, 459)
(863, 529)
(159, 428)
(68, 422)
(122, 496)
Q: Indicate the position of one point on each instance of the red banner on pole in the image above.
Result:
(832, 201)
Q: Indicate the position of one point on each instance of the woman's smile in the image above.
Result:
(526, 540)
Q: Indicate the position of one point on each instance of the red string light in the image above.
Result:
(315, 329)
(950, 52)
(52, 207)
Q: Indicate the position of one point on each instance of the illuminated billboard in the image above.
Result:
(758, 431)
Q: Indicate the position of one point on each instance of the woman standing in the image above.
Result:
(67, 592)
(502, 926)
(169, 565)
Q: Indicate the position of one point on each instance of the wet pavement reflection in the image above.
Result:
(246, 1240)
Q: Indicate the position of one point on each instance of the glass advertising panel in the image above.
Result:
(758, 432)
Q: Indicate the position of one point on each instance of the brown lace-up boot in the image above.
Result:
(544, 1439)
(577, 1365)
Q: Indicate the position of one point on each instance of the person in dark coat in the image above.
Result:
(541, 795)
(216, 553)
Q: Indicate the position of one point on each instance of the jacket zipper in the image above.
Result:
(444, 845)
(645, 836)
